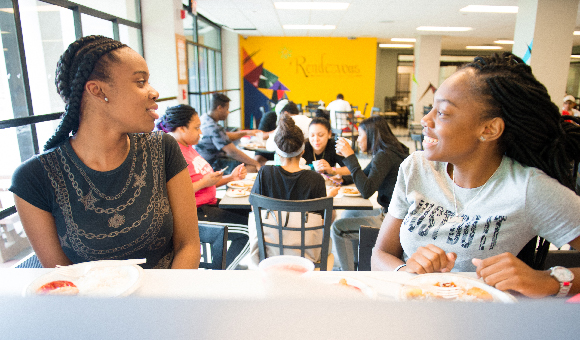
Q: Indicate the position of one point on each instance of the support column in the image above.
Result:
(547, 26)
(427, 55)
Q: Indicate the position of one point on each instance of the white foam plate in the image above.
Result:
(241, 184)
(459, 280)
(251, 176)
(334, 279)
(98, 282)
(351, 195)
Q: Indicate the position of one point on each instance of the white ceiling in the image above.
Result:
(383, 19)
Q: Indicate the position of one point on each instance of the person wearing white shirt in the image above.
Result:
(301, 121)
(570, 106)
(337, 105)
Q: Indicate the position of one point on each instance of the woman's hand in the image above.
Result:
(322, 166)
(507, 272)
(337, 180)
(332, 192)
(430, 259)
(343, 147)
(211, 178)
(238, 173)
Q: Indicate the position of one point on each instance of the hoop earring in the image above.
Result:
(482, 138)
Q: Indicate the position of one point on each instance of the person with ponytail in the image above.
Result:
(106, 187)
(288, 181)
(380, 175)
(183, 123)
(497, 171)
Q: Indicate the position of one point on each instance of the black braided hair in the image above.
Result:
(83, 60)
(289, 137)
(535, 134)
(176, 116)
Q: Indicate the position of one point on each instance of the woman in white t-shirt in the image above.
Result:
(495, 172)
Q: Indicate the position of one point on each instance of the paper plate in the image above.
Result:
(251, 176)
(98, 282)
(238, 192)
(335, 280)
(352, 194)
(241, 184)
(429, 280)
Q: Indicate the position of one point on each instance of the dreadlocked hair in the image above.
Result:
(176, 116)
(289, 137)
(535, 134)
(85, 59)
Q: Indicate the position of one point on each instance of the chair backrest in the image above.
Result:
(375, 111)
(535, 252)
(366, 241)
(341, 119)
(30, 261)
(282, 226)
(365, 109)
(214, 237)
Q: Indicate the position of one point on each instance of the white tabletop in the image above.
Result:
(191, 304)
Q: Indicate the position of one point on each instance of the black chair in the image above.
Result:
(365, 109)
(30, 261)
(343, 120)
(265, 207)
(534, 253)
(215, 237)
(375, 111)
(366, 241)
(416, 134)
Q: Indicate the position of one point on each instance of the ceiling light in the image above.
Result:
(4, 32)
(443, 29)
(396, 45)
(490, 9)
(483, 47)
(309, 27)
(575, 56)
(404, 39)
(7, 10)
(576, 32)
(504, 42)
(312, 5)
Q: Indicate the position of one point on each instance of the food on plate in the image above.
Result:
(448, 290)
(241, 184)
(59, 287)
(290, 267)
(238, 192)
(343, 283)
(350, 191)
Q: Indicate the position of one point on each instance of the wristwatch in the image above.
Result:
(565, 277)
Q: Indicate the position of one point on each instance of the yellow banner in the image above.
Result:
(316, 69)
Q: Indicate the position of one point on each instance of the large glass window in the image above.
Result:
(208, 34)
(27, 68)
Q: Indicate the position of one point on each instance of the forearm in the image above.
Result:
(343, 171)
(367, 185)
(198, 185)
(186, 256)
(224, 180)
(236, 135)
(240, 156)
(381, 260)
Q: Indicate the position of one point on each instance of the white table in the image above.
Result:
(189, 304)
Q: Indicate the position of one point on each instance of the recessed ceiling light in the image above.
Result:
(504, 42)
(395, 45)
(575, 56)
(404, 39)
(490, 9)
(576, 32)
(312, 5)
(309, 27)
(443, 29)
(483, 47)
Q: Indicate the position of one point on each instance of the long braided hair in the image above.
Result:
(535, 134)
(176, 116)
(85, 59)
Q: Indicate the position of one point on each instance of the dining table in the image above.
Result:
(341, 201)
(254, 304)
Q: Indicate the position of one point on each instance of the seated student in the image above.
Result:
(268, 124)
(299, 120)
(288, 181)
(216, 145)
(114, 190)
(376, 138)
(183, 123)
(319, 150)
(495, 171)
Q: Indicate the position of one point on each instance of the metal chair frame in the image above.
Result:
(260, 203)
(214, 236)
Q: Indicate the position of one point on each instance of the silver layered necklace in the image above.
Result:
(456, 218)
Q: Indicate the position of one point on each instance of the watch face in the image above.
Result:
(562, 274)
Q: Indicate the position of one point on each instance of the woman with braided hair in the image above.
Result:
(106, 187)
(496, 172)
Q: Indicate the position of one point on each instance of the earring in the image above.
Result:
(482, 138)
(106, 99)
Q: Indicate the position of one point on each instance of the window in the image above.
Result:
(30, 107)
